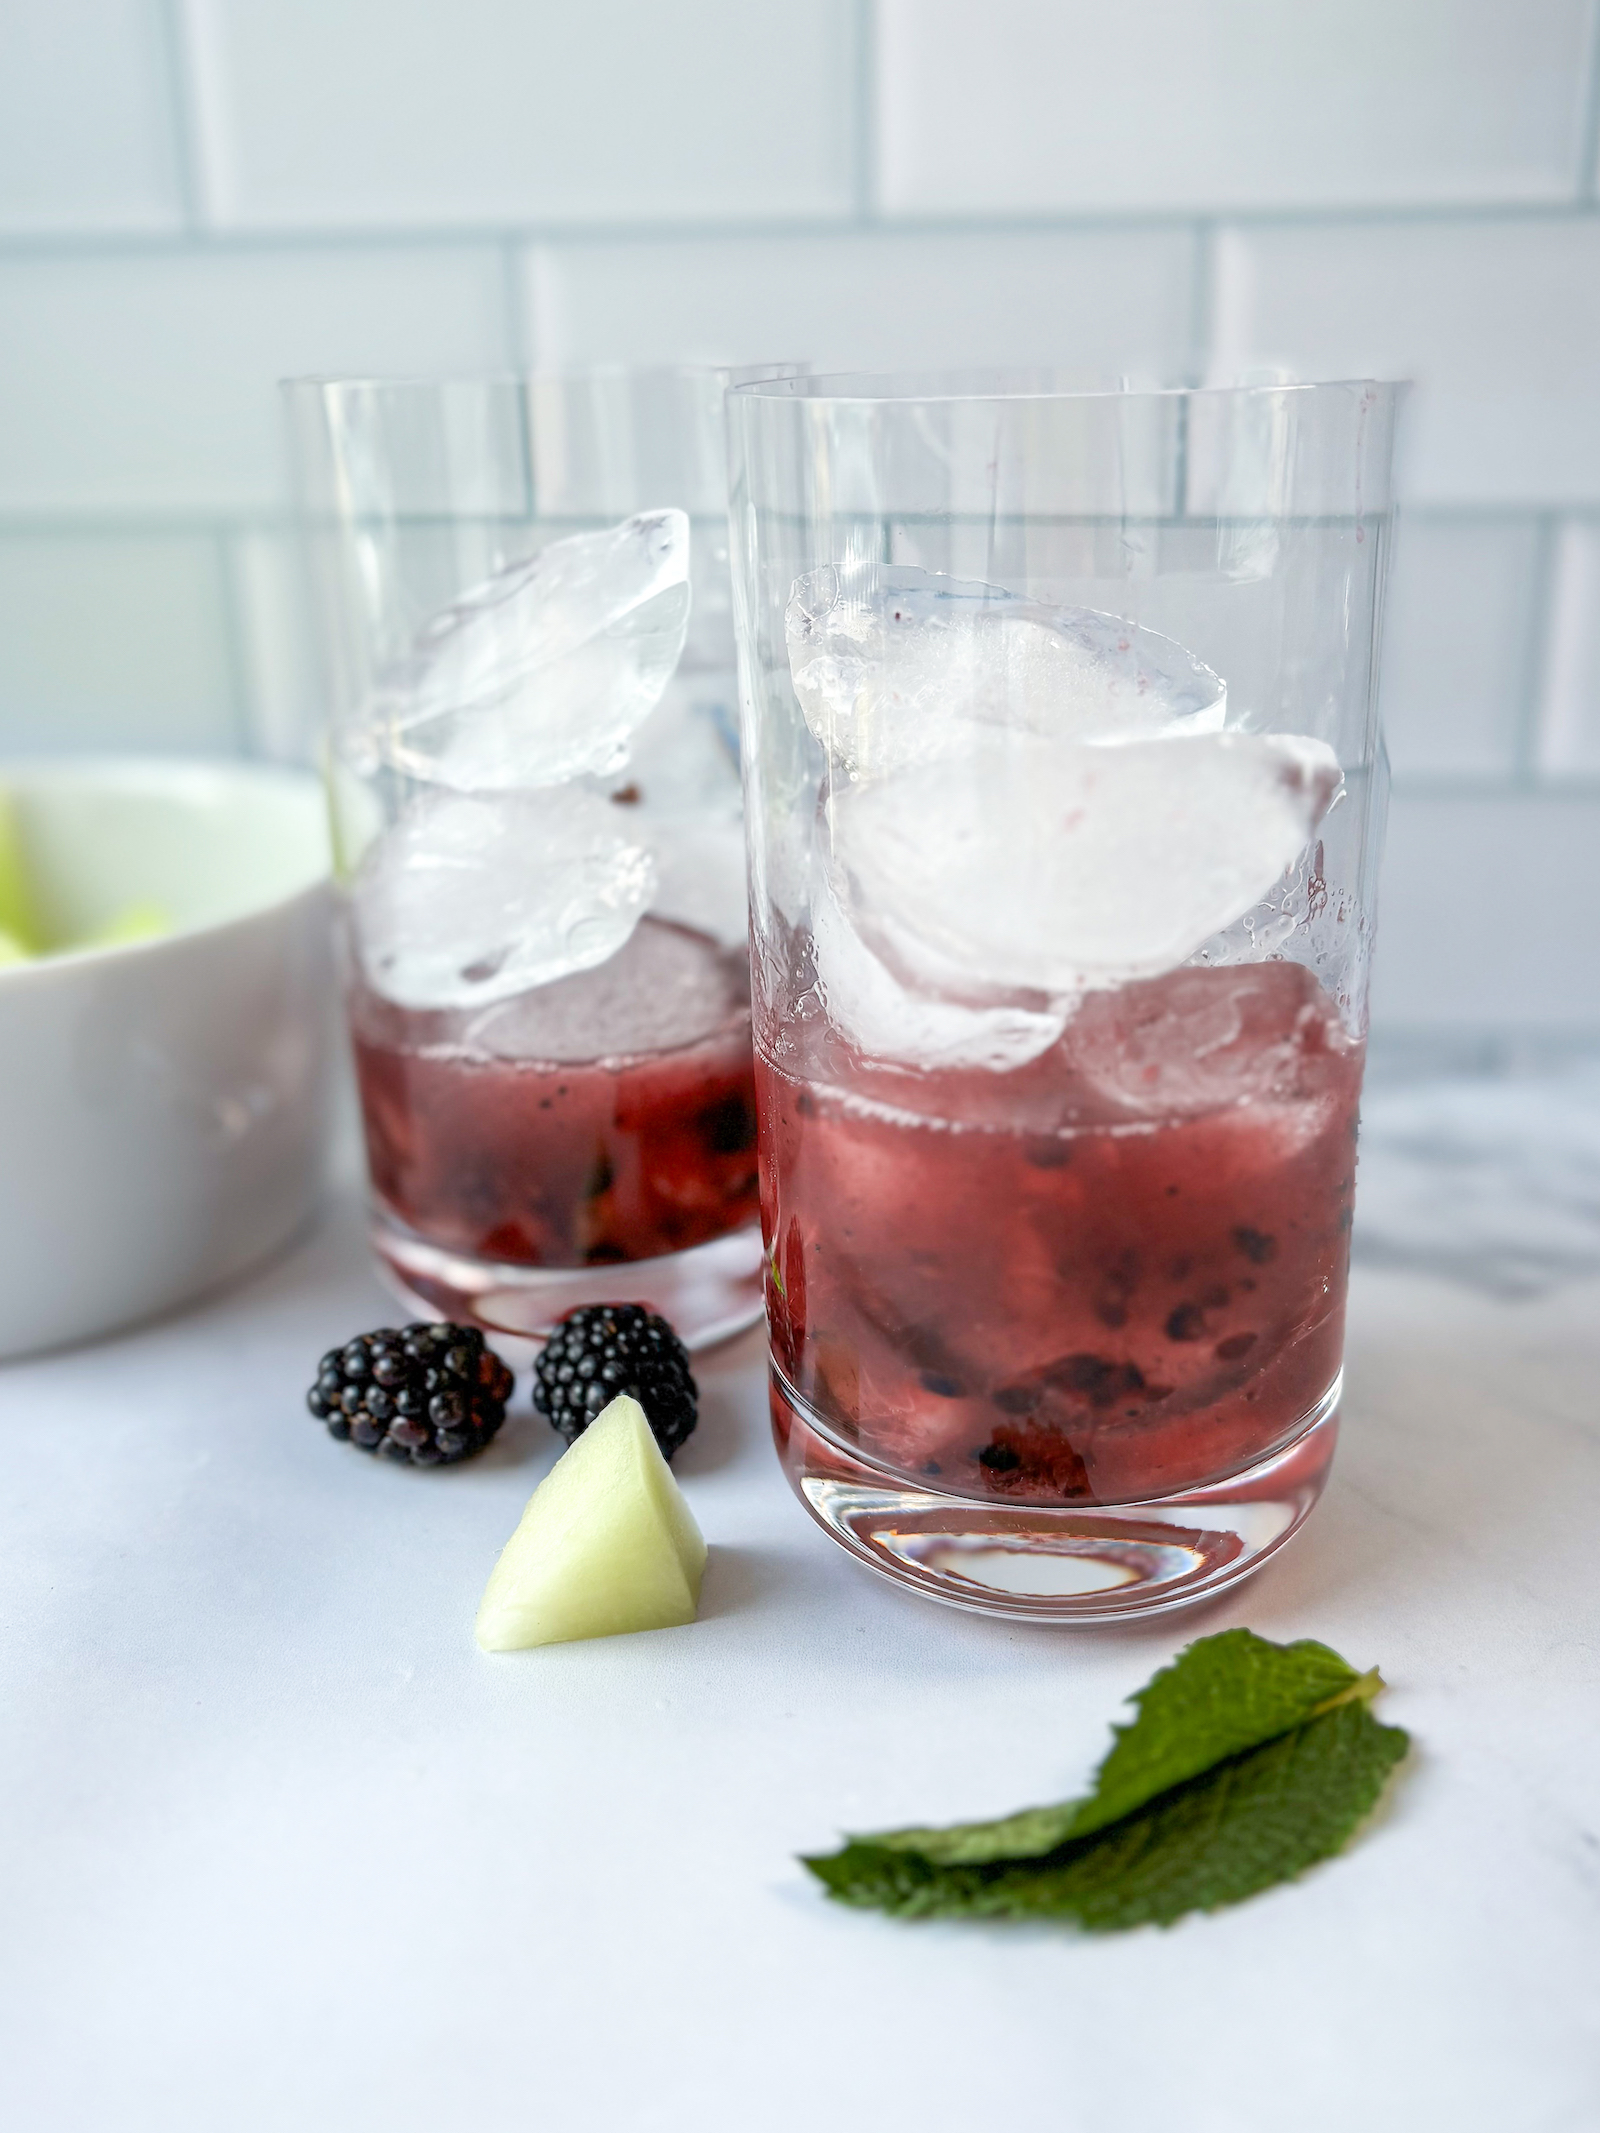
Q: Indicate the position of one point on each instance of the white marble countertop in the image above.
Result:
(281, 1849)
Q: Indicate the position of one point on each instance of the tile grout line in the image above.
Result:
(864, 147)
(1202, 295)
(204, 240)
(1437, 786)
(514, 296)
(177, 64)
(1535, 656)
(202, 520)
(1588, 172)
(135, 523)
(1566, 608)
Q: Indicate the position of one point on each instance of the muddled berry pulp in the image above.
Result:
(607, 1117)
(1113, 1273)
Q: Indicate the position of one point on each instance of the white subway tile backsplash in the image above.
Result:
(1039, 106)
(1086, 298)
(150, 381)
(1497, 320)
(114, 641)
(1480, 920)
(1568, 742)
(366, 114)
(1458, 643)
(200, 196)
(88, 133)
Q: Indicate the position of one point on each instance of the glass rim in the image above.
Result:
(316, 382)
(1027, 383)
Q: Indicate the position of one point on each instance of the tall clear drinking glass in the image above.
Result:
(1064, 798)
(522, 588)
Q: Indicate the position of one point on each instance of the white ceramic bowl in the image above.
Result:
(164, 1105)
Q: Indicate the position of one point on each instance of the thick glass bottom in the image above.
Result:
(1037, 1563)
(710, 1292)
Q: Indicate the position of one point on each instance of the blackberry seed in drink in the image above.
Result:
(603, 1119)
(1045, 1287)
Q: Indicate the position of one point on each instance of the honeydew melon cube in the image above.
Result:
(606, 1546)
(134, 922)
(16, 898)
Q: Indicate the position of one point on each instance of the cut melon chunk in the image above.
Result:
(134, 922)
(16, 900)
(607, 1545)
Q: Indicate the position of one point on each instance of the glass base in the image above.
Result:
(1035, 1563)
(709, 1293)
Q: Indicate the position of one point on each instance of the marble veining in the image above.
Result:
(1488, 1179)
(279, 1847)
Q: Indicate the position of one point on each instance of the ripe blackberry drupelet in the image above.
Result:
(431, 1395)
(606, 1349)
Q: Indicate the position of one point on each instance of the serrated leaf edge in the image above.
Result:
(1361, 1691)
(1364, 1687)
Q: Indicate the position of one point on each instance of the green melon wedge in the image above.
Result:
(134, 922)
(16, 897)
(606, 1546)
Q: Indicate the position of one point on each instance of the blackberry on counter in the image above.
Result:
(429, 1394)
(606, 1349)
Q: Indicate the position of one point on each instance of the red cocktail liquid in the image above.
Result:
(609, 1116)
(1110, 1274)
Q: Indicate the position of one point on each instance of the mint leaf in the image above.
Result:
(1222, 1695)
(1144, 1848)
(1255, 1820)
